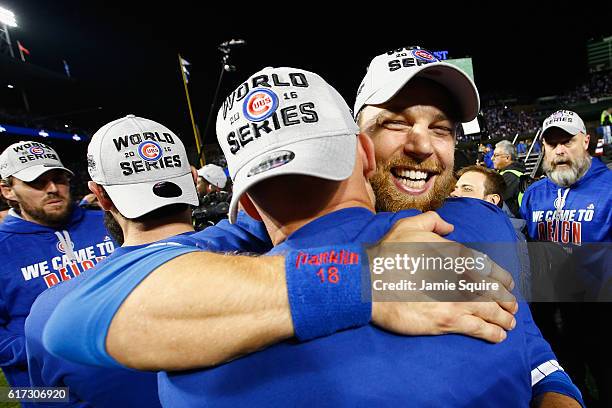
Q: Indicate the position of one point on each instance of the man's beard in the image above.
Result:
(567, 176)
(113, 228)
(38, 214)
(390, 198)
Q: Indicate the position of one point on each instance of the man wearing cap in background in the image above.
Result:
(214, 199)
(48, 240)
(573, 207)
(210, 178)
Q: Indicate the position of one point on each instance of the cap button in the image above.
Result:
(130, 116)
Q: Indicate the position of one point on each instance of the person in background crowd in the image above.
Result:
(48, 240)
(90, 201)
(480, 183)
(573, 207)
(210, 178)
(213, 195)
(505, 161)
(488, 156)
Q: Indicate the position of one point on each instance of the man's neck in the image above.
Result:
(135, 234)
(279, 231)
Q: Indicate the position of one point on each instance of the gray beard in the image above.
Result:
(568, 177)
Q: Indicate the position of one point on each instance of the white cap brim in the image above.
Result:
(452, 78)
(324, 157)
(34, 172)
(134, 200)
(571, 130)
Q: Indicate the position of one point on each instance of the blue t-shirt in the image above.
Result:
(35, 257)
(368, 366)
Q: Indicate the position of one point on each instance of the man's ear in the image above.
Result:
(194, 174)
(249, 207)
(587, 139)
(365, 148)
(105, 202)
(8, 193)
(493, 198)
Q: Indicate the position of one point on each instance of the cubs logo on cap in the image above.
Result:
(565, 120)
(142, 165)
(150, 151)
(424, 55)
(310, 130)
(259, 105)
(37, 150)
(28, 160)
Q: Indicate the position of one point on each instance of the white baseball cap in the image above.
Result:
(390, 72)
(213, 174)
(29, 160)
(285, 121)
(142, 165)
(566, 120)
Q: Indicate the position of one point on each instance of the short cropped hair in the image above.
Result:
(494, 182)
(508, 148)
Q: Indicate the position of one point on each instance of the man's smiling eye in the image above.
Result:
(395, 124)
(443, 129)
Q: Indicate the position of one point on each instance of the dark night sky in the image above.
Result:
(124, 53)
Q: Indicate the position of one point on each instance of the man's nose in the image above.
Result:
(51, 187)
(418, 142)
(560, 149)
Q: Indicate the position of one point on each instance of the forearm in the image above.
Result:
(181, 316)
(554, 400)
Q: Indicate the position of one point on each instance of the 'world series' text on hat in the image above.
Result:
(566, 120)
(285, 121)
(141, 164)
(390, 72)
(29, 160)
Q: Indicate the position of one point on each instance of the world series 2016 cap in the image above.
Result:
(142, 165)
(388, 73)
(29, 160)
(213, 174)
(566, 120)
(285, 121)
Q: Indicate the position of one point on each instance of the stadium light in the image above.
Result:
(10, 86)
(76, 137)
(7, 17)
(43, 133)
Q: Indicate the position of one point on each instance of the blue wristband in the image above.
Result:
(327, 290)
